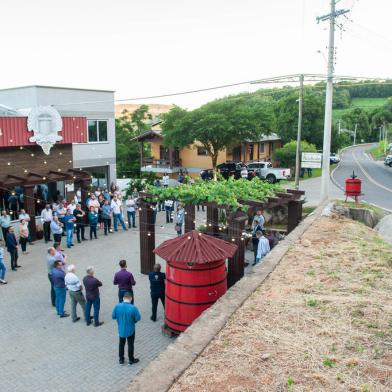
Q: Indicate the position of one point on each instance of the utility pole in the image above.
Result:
(385, 138)
(355, 134)
(300, 112)
(328, 98)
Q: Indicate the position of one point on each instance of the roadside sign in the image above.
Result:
(311, 160)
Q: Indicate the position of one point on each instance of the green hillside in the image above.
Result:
(363, 103)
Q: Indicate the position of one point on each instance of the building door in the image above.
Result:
(164, 154)
(237, 154)
(251, 149)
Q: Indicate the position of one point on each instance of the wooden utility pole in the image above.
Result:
(300, 112)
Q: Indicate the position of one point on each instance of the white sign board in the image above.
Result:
(311, 160)
(70, 187)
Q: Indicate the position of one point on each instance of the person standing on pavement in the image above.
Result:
(117, 213)
(24, 215)
(79, 214)
(157, 288)
(12, 248)
(263, 247)
(258, 220)
(5, 223)
(57, 229)
(50, 260)
(74, 287)
(46, 218)
(3, 270)
(69, 220)
(93, 219)
(131, 211)
(124, 280)
(23, 236)
(106, 217)
(179, 219)
(169, 210)
(58, 276)
(126, 315)
(92, 284)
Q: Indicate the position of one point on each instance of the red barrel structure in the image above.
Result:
(195, 276)
(353, 187)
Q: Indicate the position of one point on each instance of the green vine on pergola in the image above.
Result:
(228, 193)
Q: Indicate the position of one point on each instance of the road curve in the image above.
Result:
(376, 177)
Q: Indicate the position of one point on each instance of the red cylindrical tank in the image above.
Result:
(190, 290)
(195, 276)
(353, 187)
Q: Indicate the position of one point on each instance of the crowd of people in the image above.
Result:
(86, 293)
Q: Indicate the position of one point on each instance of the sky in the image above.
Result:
(151, 47)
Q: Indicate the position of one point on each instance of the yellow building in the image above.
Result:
(194, 158)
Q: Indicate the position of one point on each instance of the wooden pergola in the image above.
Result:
(236, 225)
(80, 178)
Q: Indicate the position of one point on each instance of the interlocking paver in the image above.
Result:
(41, 352)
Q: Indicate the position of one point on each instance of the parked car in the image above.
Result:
(265, 171)
(228, 169)
(334, 158)
(388, 160)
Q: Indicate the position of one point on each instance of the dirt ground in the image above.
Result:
(321, 322)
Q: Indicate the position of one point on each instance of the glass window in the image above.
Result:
(97, 131)
(202, 151)
(261, 148)
(103, 131)
(92, 131)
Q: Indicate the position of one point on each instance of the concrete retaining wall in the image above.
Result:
(162, 372)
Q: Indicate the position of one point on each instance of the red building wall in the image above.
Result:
(13, 131)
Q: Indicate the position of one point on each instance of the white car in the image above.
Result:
(334, 158)
(266, 172)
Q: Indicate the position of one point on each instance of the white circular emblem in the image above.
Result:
(45, 122)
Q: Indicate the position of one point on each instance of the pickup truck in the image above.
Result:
(266, 172)
(228, 169)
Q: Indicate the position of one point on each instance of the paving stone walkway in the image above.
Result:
(41, 352)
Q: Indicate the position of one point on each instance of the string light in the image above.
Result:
(11, 141)
(45, 162)
(59, 170)
(149, 234)
(32, 154)
(25, 170)
(60, 153)
(21, 147)
(9, 163)
(44, 178)
(233, 239)
(189, 237)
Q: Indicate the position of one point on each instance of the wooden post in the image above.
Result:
(189, 217)
(212, 220)
(236, 263)
(29, 204)
(294, 214)
(147, 238)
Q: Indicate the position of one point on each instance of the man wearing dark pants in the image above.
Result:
(157, 288)
(50, 260)
(57, 229)
(46, 218)
(92, 284)
(79, 214)
(127, 315)
(58, 276)
(125, 281)
(12, 247)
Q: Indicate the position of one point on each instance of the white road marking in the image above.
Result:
(368, 176)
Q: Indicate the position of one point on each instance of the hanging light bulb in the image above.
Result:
(9, 163)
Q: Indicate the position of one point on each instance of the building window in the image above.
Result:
(97, 131)
(271, 147)
(202, 151)
(261, 148)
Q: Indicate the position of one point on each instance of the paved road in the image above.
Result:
(376, 177)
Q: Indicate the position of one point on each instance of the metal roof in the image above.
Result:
(195, 247)
(56, 87)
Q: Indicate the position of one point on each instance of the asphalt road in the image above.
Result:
(376, 177)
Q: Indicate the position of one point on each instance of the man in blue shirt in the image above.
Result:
(69, 220)
(157, 288)
(58, 276)
(127, 315)
(57, 229)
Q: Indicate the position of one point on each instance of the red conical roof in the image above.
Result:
(195, 247)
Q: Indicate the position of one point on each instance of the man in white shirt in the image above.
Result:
(130, 203)
(263, 247)
(74, 287)
(46, 218)
(165, 180)
(93, 202)
(117, 213)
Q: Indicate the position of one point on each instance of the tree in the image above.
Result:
(286, 155)
(218, 125)
(128, 126)
(286, 113)
(359, 118)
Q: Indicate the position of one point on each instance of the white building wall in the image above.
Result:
(93, 104)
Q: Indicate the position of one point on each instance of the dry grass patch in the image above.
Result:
(321, 322)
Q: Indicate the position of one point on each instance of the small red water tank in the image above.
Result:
(195, 276)
(353, 186)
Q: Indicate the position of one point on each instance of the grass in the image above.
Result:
(377, 152)
(364, 103)
(378, 212)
